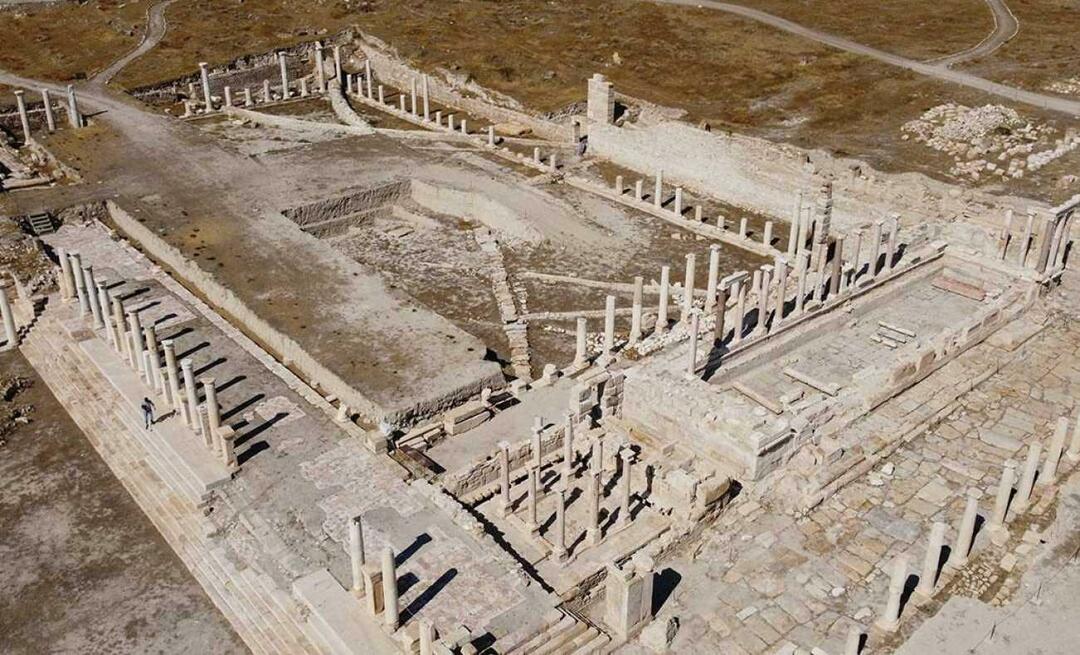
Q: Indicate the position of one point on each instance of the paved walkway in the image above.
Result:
(937, 71)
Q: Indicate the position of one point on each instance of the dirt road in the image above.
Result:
(1005, 27)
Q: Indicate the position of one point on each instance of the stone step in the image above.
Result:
(555, 642)
(597, 644)
(335, 613)
(539, 639)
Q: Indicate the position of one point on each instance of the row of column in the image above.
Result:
(595, 487)
(1013, 496)
(1054, 235)
(74, 117)
(139, 346)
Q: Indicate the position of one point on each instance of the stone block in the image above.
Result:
(465, 417)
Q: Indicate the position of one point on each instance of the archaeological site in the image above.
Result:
(556, 328)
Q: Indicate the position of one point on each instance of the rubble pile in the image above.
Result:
(991, 140)
(1069, 87)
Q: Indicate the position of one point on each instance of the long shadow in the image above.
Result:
(980, 521)
(406, 581)
(226, 415)
(143, 308)
(206, 367)
(251, 451)
(259, 429)
(112, 285)
(133, 294)
(164, 318)
(433, 589)
(237, 379)
(179, 333)
(943, 558)
(192, 350)
(416, 545)
(572, 496)
(664, 585)
(910, 583)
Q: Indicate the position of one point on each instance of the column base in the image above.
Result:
(886, 625)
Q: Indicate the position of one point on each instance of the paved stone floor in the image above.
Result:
(83, 570)
(763, 579)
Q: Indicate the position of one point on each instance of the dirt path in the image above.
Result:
(938, 71)
(155, 31)
(1005, 27)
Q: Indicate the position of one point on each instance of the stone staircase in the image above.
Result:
(263, 615)
(564, 633)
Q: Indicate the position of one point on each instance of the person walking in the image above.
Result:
(148, 412)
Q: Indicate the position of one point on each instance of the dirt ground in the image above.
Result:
(84, 570)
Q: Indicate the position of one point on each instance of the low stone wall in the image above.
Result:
(362, 200)
(485, 472)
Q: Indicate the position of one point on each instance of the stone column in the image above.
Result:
(1025, 241)
(537, 441)
(123, 346)
(503, 455)
(740, 311)
(427, 637)
(568, 447)
(1074, 443)
(837, 262)
(966, 532)
(744, 224)
(370, 79)
(186, 366)
(854, 640)
(413, 97)
(688, 289)
(283, 64)
(856, 252)
(763, 300)
(389, 579)
(530, 518)
(23, 119)
(1004, 491)
(635, 317)
(928, 578)
(691, 360)
(766, 238)
(781, 291)
(890, 242)
(46, 101)
(596, 455)
(619, 186)
(67, 278)
(558, 540)
(402, 103)
(875, 250)
(80, 284)
(720, 315)
(11, 335)
(248, 101)
(150, 332)
(553, 163)
(356, 555)
(800, 285)
(105, 303)
(382, 95)
(624, 485)
(639, 190)
(795, 229)
(714, 277)
(267, 96)
(658, 193)
(580, 343)
(320, 74)
(173, 379)
(349, 83)
(609, 326)
(1027, 481)
(204, 75)
(213, 412)
(228, 95)
(450, 126)
(592, 533)
(1053, 455)
(661, 315)
(427, 99)
(337, 65)
(677, 207)
(92, 296)
(137, 346)
(74, 117)
(890, 618)
(491, 136)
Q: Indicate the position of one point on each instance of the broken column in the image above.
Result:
(204, 76)
(661, 316)
(11, 335)
(23, 119)
(187, 367)
(580, 353)
(688, 289)
(928, 578)
(658, 197)
(1053, 454)
(1074, 443)
(74, 117)
(390, 590)
(635, 316)
(766, 239)
(890, 618)
(677, 207)
(46, 101)
(356, 555)
(609, 327)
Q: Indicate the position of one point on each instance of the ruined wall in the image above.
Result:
(764, 177)
(359, 201)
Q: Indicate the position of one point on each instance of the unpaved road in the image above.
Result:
(1005, 27)
(935, 70)
(155, 31)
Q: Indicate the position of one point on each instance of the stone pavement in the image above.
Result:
(763, 579)
(302, 476)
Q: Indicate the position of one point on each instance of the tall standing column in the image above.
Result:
(150, 332)
(320, 73)
(412, 97)
(558, 539)
(1004, 492)
(204, 75)
(781, 291)
(390, 589)
(568, 447)
(1053, 454)
(720, 314)
(74, 117)
(50, 119)
(677, 206)
(837, 263)
(740, 311)
(661, 314)
(337, 66)
(800, 284)
(504, 478)
(20, 103)
(1025, 241)
(928, 578)
(370, 79)
(187, 367)
(67, 278)
(625, 458)
(795, 228)
(213, 413)
(11, 335)
(80, 284)
(106, 303)
(426, 98)
(427, 637)
(691, 361)
(890, 618)
(530, 518)
(688, 289)
(580, 353)
(658, 192)
(137, 346)
(875, 250)
(592, 533)
(766, 238)
(714, 277)
(966, 533)
(856, 253)
(609, 326)
(890, 242)
(635, 317)
(356, 555)
(173, 379)
(1027, 481)
(763, 301)
(92, 296)
(123, 347)
(1074, 442)
(283, 64)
